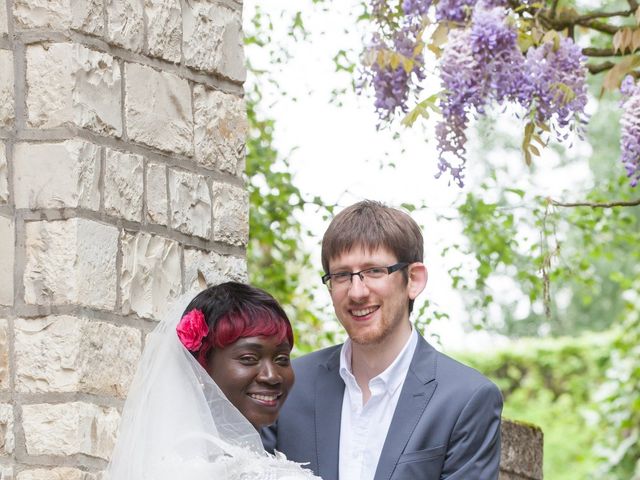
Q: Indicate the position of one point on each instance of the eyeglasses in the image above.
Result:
(343, 279)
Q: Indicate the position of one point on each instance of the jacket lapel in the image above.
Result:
(329, 394)
(417, 390)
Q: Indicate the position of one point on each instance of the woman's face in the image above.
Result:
(255, 374)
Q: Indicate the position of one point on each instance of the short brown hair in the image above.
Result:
(372, 225)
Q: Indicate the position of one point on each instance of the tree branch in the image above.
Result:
(594, 15)
(621, 203)
(595, 68)
(598, 26)
(601, 52)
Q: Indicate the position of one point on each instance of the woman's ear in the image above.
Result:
(417, 279)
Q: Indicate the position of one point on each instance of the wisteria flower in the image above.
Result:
(192, 329)
(630, 129)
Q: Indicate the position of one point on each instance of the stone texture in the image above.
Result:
(521, 454)
(158, 109)
(56, 175)
(190, 203)
(60, 473)
(69, 428)
(7, 441)
(150, 278)
(87, 16)
(69, 354)
(3, 20)
(157, 198)
(125, 23)
(220, 130)
(230, 214)
(49, 85)
(70, 262)
(4, 186)
(7, 109)
(123, 188)
(6, 471)
(212, 39)
(54, 14)
(211, 267)
(164, 29)
(7, 246)
(4, 354)
(97, 96)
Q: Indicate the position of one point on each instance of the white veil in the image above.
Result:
(177, 424)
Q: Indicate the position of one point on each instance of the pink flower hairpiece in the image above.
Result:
(192, 329)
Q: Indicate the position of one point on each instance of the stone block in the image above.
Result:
(59, 473)
(53, 14)
(230, 214)
(7, 108)
(97, 93)
(4, 30)
(7, 441)
(87, 16)
(4, 186)
(158, 109)
(123, 187)
(164, 29)
(7, 248)
(220, 130)
(6, 471)
(4, 354)
(157, 198)
(212, 267)
(49, 85)
(521, 453)
(212, 39)
(190, 203)
(57, 175)
(151, 277)
(69, 428)
(69, 354)
(125, 23)
(70, 262)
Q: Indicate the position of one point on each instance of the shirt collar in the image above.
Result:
(393, 376)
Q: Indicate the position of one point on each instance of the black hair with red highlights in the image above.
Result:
(235, 310)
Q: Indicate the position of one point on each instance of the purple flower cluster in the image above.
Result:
(480, 65)
(392, 85)
(454, 10)
(630, 129)
(415, 7)
(552, 72)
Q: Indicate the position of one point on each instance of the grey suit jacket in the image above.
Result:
(446, 423)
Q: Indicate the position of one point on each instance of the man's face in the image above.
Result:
(373, 311)
(255, 374)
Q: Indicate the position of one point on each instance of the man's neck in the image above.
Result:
(369, 361)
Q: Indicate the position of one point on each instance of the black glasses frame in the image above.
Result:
(390, 269)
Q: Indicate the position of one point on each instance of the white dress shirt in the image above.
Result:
(363, 429)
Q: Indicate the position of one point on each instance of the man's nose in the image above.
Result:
(358, 288)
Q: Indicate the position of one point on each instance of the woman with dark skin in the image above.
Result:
(205, 384)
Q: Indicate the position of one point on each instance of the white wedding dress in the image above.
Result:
(178, 425)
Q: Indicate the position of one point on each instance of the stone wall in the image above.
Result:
(122, 132)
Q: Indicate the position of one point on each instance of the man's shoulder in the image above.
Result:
(319, 357)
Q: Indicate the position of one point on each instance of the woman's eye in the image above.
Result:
(283, 360)
(248, 359)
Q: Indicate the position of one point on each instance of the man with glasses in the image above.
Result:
(385, 405)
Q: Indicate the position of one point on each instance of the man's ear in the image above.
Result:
(417, 279)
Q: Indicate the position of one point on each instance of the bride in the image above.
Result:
(207, 380)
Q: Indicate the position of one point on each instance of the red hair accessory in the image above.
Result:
(192, 329)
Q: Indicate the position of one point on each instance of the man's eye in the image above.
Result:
(375, 271)
(340, 277)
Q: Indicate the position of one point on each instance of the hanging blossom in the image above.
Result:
(479, 65)
(392, 85)
(630, 129)
(552, 69)
(415, 7)
(454, 10)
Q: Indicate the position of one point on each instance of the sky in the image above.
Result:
(337, 150)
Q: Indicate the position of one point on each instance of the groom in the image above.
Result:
(385, 405)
